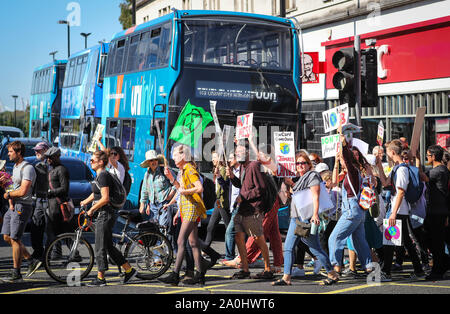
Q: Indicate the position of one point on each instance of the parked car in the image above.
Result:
(29, 144)
(80, 178)
(10, 131)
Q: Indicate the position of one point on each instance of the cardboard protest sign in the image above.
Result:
(219, 135)
(244, 126)
(392, 235)
(331, 117)
(417, 130)
(285, 153)
(330, 145)
(361, 145)
(98, 133)
(380, 133)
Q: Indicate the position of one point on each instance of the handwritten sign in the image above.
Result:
(244, 126)
(95, 138)
(331, 117)
(285, 153)
(330, 145)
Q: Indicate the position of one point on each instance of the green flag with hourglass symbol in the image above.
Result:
(190, 125)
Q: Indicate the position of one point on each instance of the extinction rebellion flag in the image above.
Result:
(190, 125)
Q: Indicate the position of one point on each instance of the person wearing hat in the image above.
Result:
(38, 220)
(58, 192)
(156, 190)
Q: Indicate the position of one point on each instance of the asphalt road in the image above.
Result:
(218, 282)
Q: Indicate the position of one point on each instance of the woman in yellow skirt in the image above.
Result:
(191, 210)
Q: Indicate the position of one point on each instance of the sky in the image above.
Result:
(29, 31)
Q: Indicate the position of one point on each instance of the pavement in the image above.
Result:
(218, 281)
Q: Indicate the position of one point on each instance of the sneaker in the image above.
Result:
(414, 276)
(297, 272)
(317, 267)
(385, 277)
(14, 277)
(97, 282)
(130, 275)
(397, 267)
(33, 267)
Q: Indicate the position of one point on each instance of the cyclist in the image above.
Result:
(105, 222)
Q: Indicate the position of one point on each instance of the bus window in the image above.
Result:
(70, 134)
(237, 43)
(111, 54)
(165, 44)
(152, 57)
(121, 132)
(132, 60)
(142, 50)
(120, 53)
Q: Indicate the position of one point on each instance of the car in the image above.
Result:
(10, 131)
(80, 178)
(29, 143)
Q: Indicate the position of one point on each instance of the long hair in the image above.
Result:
(123, 159)
(361, 163)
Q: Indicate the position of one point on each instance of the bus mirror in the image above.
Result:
(45, 126)
(154, 127)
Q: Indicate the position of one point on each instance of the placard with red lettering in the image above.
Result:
(284, 143)
(244, 126)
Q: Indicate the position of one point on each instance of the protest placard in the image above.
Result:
(380, 133)
(392, 235)
(331, 117)
(219, 135)
(362, 146)
(284, 143)
(98, 133)
(330, 145)
(417, 130)
(244, 126)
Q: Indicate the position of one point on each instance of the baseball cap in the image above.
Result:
(52, 151)
(321, 167)
(41, 146)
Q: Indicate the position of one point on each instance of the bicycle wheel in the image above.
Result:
(68, 261)
(150, 253)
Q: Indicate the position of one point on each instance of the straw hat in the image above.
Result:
(149, 156)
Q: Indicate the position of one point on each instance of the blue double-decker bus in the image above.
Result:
(248, 63)
(45, 102)
(82, 96)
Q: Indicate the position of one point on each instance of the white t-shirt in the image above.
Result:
(402, 181)
(119, 171)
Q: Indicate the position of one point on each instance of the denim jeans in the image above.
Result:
(312, 242)
(156, 213)
(229, 238)
(350, 224)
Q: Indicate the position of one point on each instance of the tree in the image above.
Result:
(126, 14)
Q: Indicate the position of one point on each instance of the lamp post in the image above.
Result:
(68, 35)
(85, 35)
(53, 53)
(15, 116)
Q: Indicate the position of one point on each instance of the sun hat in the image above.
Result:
(321, 167)
(41, 146)
(149, 156)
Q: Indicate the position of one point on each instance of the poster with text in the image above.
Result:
(96, 137)
(331, 117)
(244, 126)
(330, 145)
(285, 153)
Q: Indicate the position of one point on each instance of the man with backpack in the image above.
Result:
(16, 218)
(400, 179)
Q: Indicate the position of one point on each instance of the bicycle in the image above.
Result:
(70, 257)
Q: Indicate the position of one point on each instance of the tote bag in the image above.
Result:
(304, 202)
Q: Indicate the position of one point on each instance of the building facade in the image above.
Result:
(412, 41)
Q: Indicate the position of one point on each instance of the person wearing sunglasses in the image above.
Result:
(106, 219)
(309, 179)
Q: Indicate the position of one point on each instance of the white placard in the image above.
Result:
(285, 153)
(220, 149)
(380, 133)
(330, 145)
(361, 145)
(244, 126)
(331, 117)
(392, 235)
(95, 138)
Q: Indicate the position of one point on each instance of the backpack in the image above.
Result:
(271, 193)
(117, 193)
(127, 182)
(209, 192)
(415, 186)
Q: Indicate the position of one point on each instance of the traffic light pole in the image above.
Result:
(357, 45)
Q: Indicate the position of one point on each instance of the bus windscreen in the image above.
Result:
(237, 44)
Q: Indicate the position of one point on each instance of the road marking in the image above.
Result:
(23, 291)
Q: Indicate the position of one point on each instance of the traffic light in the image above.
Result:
(369, 78)
(344, 79)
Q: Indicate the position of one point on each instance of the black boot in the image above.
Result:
(172, 279)
(213, 255)
(198, 278)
